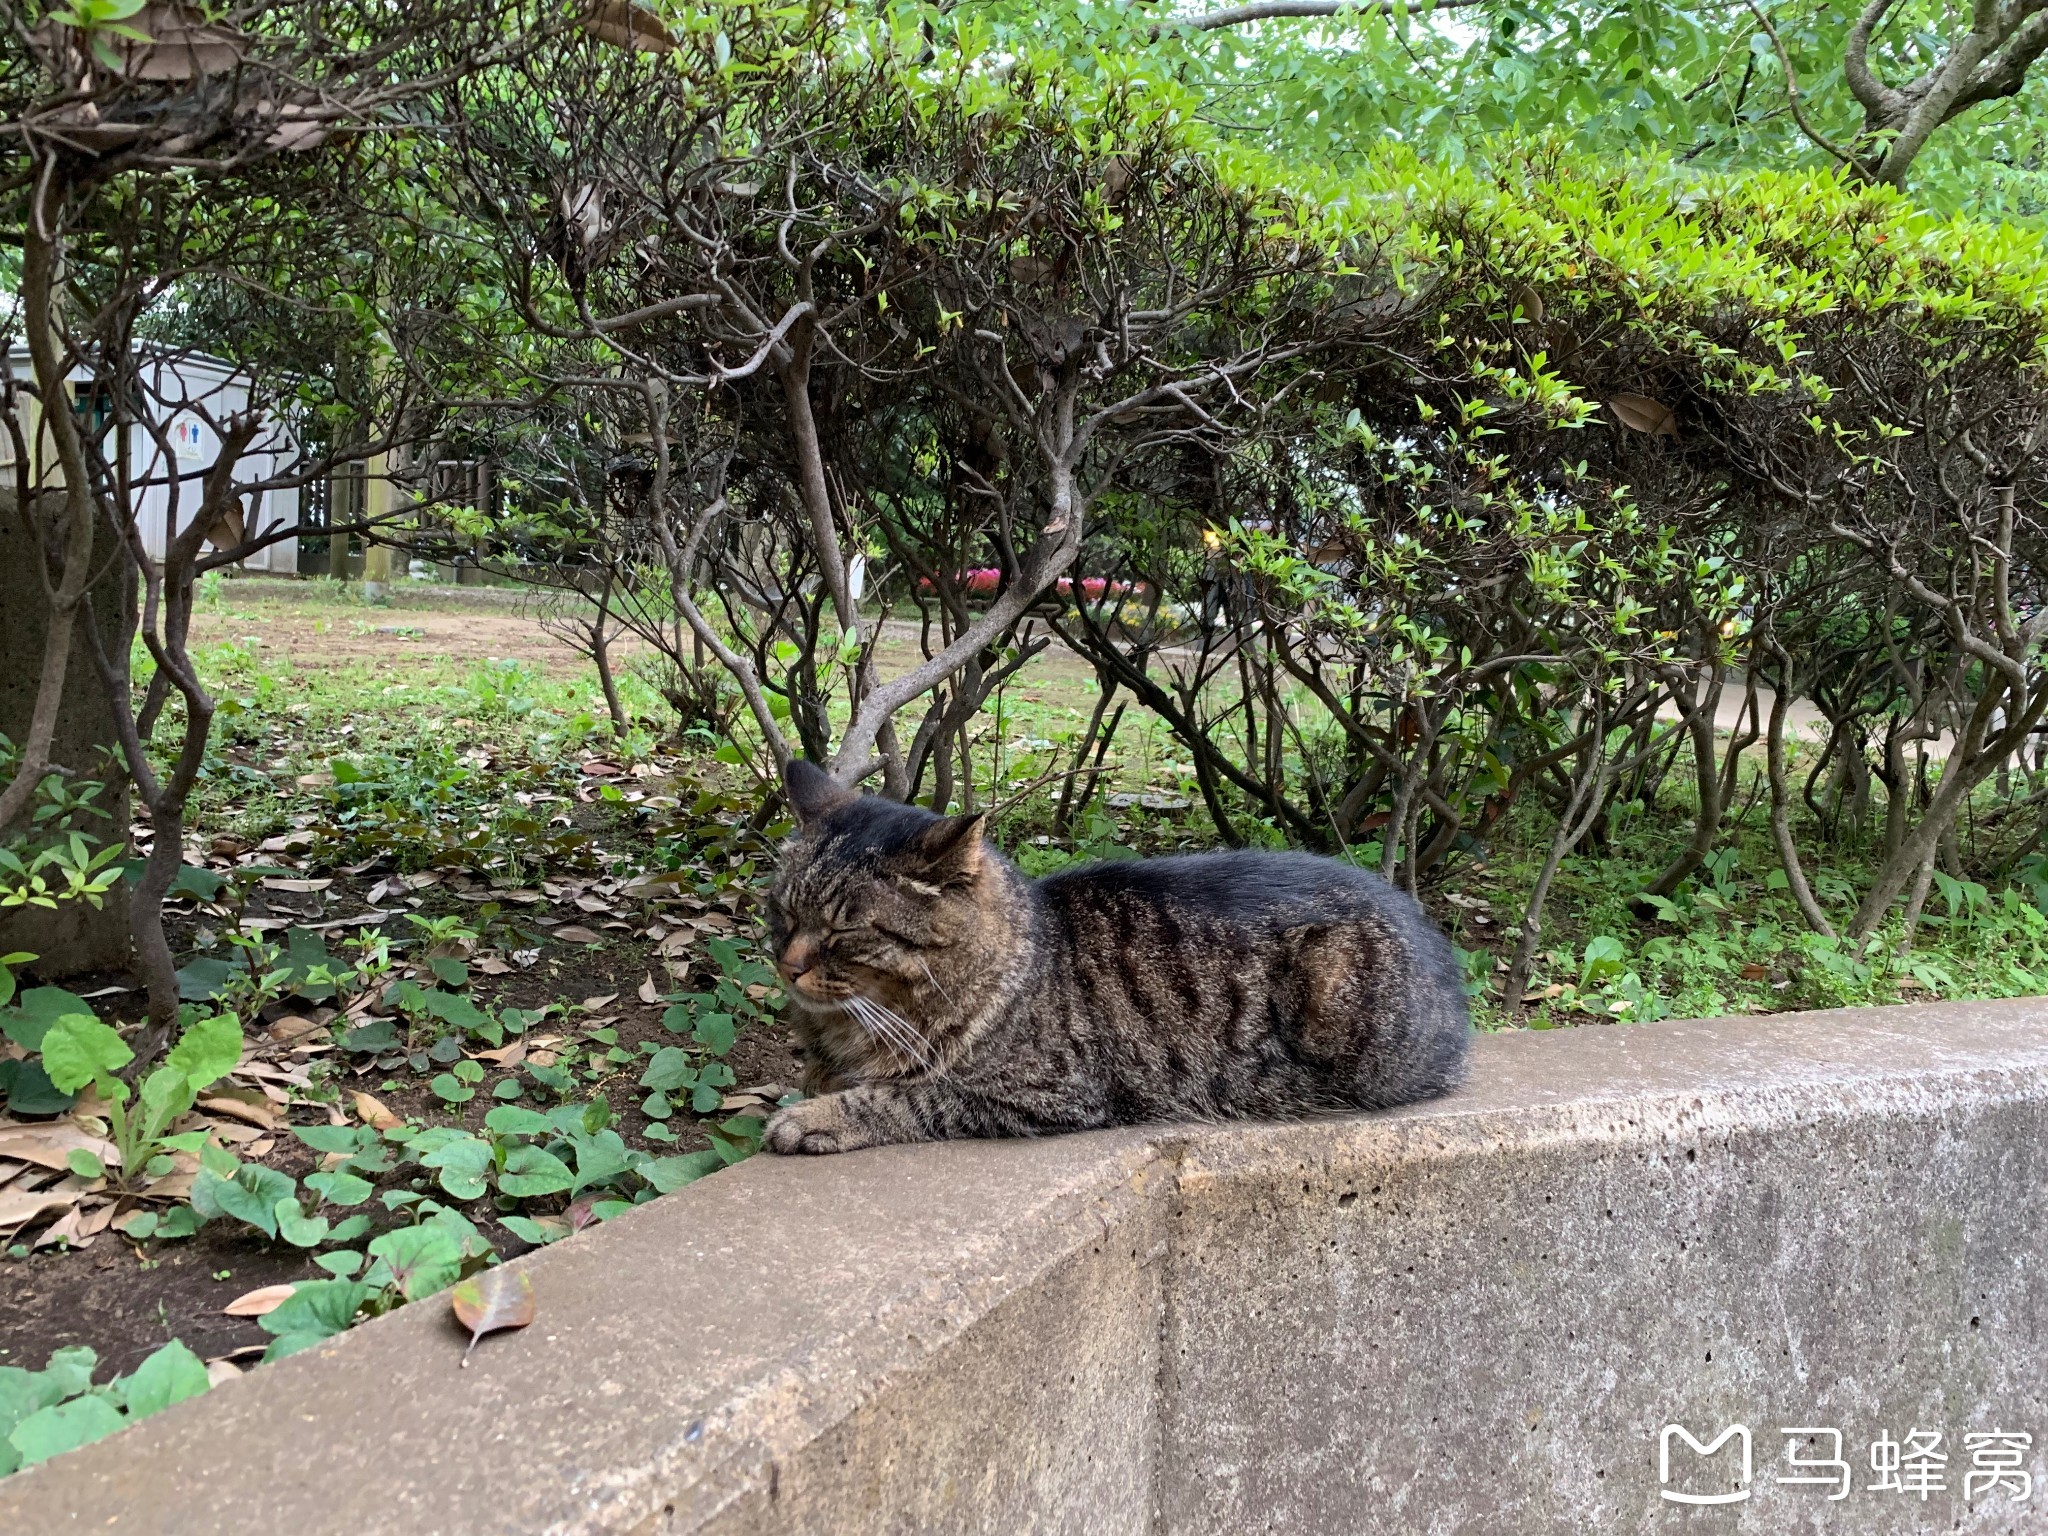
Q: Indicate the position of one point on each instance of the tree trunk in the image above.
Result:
(75, 937)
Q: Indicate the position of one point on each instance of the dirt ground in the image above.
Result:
(298, 621)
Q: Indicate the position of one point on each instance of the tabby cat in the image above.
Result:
(940, 993)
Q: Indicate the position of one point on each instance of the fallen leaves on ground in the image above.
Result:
(494, 1299)
(259, 1302)
(52, 1143)
(375, 1113)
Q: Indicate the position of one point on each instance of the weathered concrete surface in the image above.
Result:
(1473, 1316)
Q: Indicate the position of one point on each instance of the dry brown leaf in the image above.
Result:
(263, 1300)
(273, 883)
(374, 1112)
(654, 882)
(18, 1207)
(1639, 413)
(647, 992)
(64, 1230)
(218, 1371)
(493, 966)
(625, 25)
(576, 933)
(177, 1184)
(292, 1027)
(508, 1056)
(1530, 302)
(491, 1300)
(232, 1132)
(93, 1219)
(50, 1144)
(599, 1001)
(679, 942)
(254, 1110)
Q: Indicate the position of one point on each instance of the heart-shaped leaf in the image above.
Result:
(494, 1299)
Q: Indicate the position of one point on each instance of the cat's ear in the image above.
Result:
(951, 850)
(812, 791)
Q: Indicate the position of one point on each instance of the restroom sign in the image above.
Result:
(185, 437)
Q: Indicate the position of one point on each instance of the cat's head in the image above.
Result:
(880, 905)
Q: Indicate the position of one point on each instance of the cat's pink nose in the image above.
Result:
(801, 956)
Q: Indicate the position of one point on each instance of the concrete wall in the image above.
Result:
(1475, 1316)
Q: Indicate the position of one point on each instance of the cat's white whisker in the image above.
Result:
(886, 1024)
(928, 976)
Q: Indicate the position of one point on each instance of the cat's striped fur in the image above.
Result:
(940, 993)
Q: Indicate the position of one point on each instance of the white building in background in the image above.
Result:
(195, 394)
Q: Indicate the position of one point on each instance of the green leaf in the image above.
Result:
(535, 1232)
(716, 1032)
(334, 1138)
(672, 1173)
(252, 1195)
(340, 1188)
(738, 1138)
(349, 1228)
(342, 1263)
(450, 970)
(463, 1164)
(166, 1094)
(316, 1310)
(169, 1376)
(598, 1157)
(512, 1120)
(208, 1051)
(85, 1164)
(530, 1170)
(668, 1070)
(451, 1089)
(377, 1035)
(29, 1089)
(1604, 957)
(66, 1373)
(456, 1009)
(52, 1431)
(30, 1019)
(421, 1260)
(296, 1227)
(205, 978)
(706, 1097)
(196, 883)
(76, 1050)
(468, 1071)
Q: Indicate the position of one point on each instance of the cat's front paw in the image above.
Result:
(813, 1126)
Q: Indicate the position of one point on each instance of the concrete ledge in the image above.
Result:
(1471, 1316)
